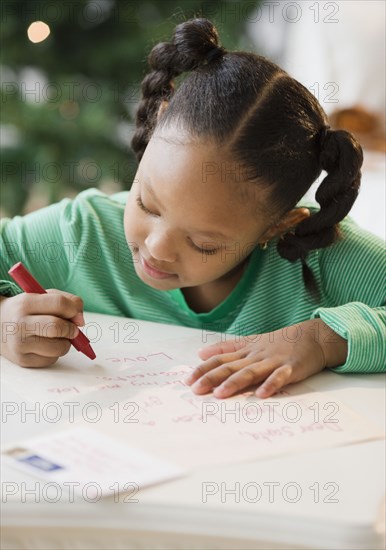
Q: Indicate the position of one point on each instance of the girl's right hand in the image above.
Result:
(36, 328)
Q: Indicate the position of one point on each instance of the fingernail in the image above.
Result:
(222, 390)
(80, 319)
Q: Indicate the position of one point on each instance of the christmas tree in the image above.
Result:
(70, 83)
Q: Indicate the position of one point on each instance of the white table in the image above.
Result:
(173, 514)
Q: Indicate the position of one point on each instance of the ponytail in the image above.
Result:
(194, 43)
(341, 157)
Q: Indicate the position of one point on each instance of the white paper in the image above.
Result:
(194, 431)
(136, 393)
(91, 463)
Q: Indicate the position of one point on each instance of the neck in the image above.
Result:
(204, 298)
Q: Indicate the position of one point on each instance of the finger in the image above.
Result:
(34, 360)
(234, 376)
(251, 374)
(211, 364)
(48, 347)
(277, 380)
(55, 302)
(47, 326)
(78, 318)
(221, 347)
(216, 376)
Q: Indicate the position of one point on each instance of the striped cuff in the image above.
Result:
(364, 329)
(9, 289)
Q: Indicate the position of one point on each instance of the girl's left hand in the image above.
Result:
(272, 360)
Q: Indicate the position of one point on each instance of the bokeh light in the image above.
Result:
(38, 31)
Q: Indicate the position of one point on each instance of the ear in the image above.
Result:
(162, 107)
(290, 221)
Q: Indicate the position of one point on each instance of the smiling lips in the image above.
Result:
(154, 272)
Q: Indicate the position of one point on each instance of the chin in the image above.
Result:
(162, 284)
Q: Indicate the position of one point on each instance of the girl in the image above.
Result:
(213, 233)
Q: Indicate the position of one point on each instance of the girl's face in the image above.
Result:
(184, 220)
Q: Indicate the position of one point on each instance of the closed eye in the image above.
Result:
(143, 207)
(208, 251)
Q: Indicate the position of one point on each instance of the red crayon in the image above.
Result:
(29, 284)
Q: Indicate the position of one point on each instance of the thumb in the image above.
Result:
(220, 347)
(78, 319)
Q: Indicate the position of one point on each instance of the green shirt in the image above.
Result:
(78, 245)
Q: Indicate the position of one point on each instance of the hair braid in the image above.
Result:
(193, 43)
(341, 157)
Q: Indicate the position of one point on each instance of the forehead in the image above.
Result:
(173, 160)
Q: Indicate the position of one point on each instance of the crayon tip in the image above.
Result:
(87, 350)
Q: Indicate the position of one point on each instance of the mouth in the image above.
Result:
(154, 272)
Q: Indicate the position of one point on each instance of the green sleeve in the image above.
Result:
(352, 272)
(47, 242)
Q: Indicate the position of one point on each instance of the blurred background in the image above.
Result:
(71, 73)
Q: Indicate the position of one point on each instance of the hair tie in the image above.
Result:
(215, 53)
(329, 151)
(323, 133)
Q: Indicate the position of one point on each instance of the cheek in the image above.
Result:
(221, 263)
(208, 266)
(133, 224)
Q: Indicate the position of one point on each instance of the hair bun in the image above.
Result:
(195, 42)
(198, 41)
(215, 53)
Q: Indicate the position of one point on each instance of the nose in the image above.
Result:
(160, 246)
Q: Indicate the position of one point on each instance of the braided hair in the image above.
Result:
(194, 43)
(270, 123)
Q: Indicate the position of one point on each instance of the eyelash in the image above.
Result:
(143, 207)
(207, 251)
